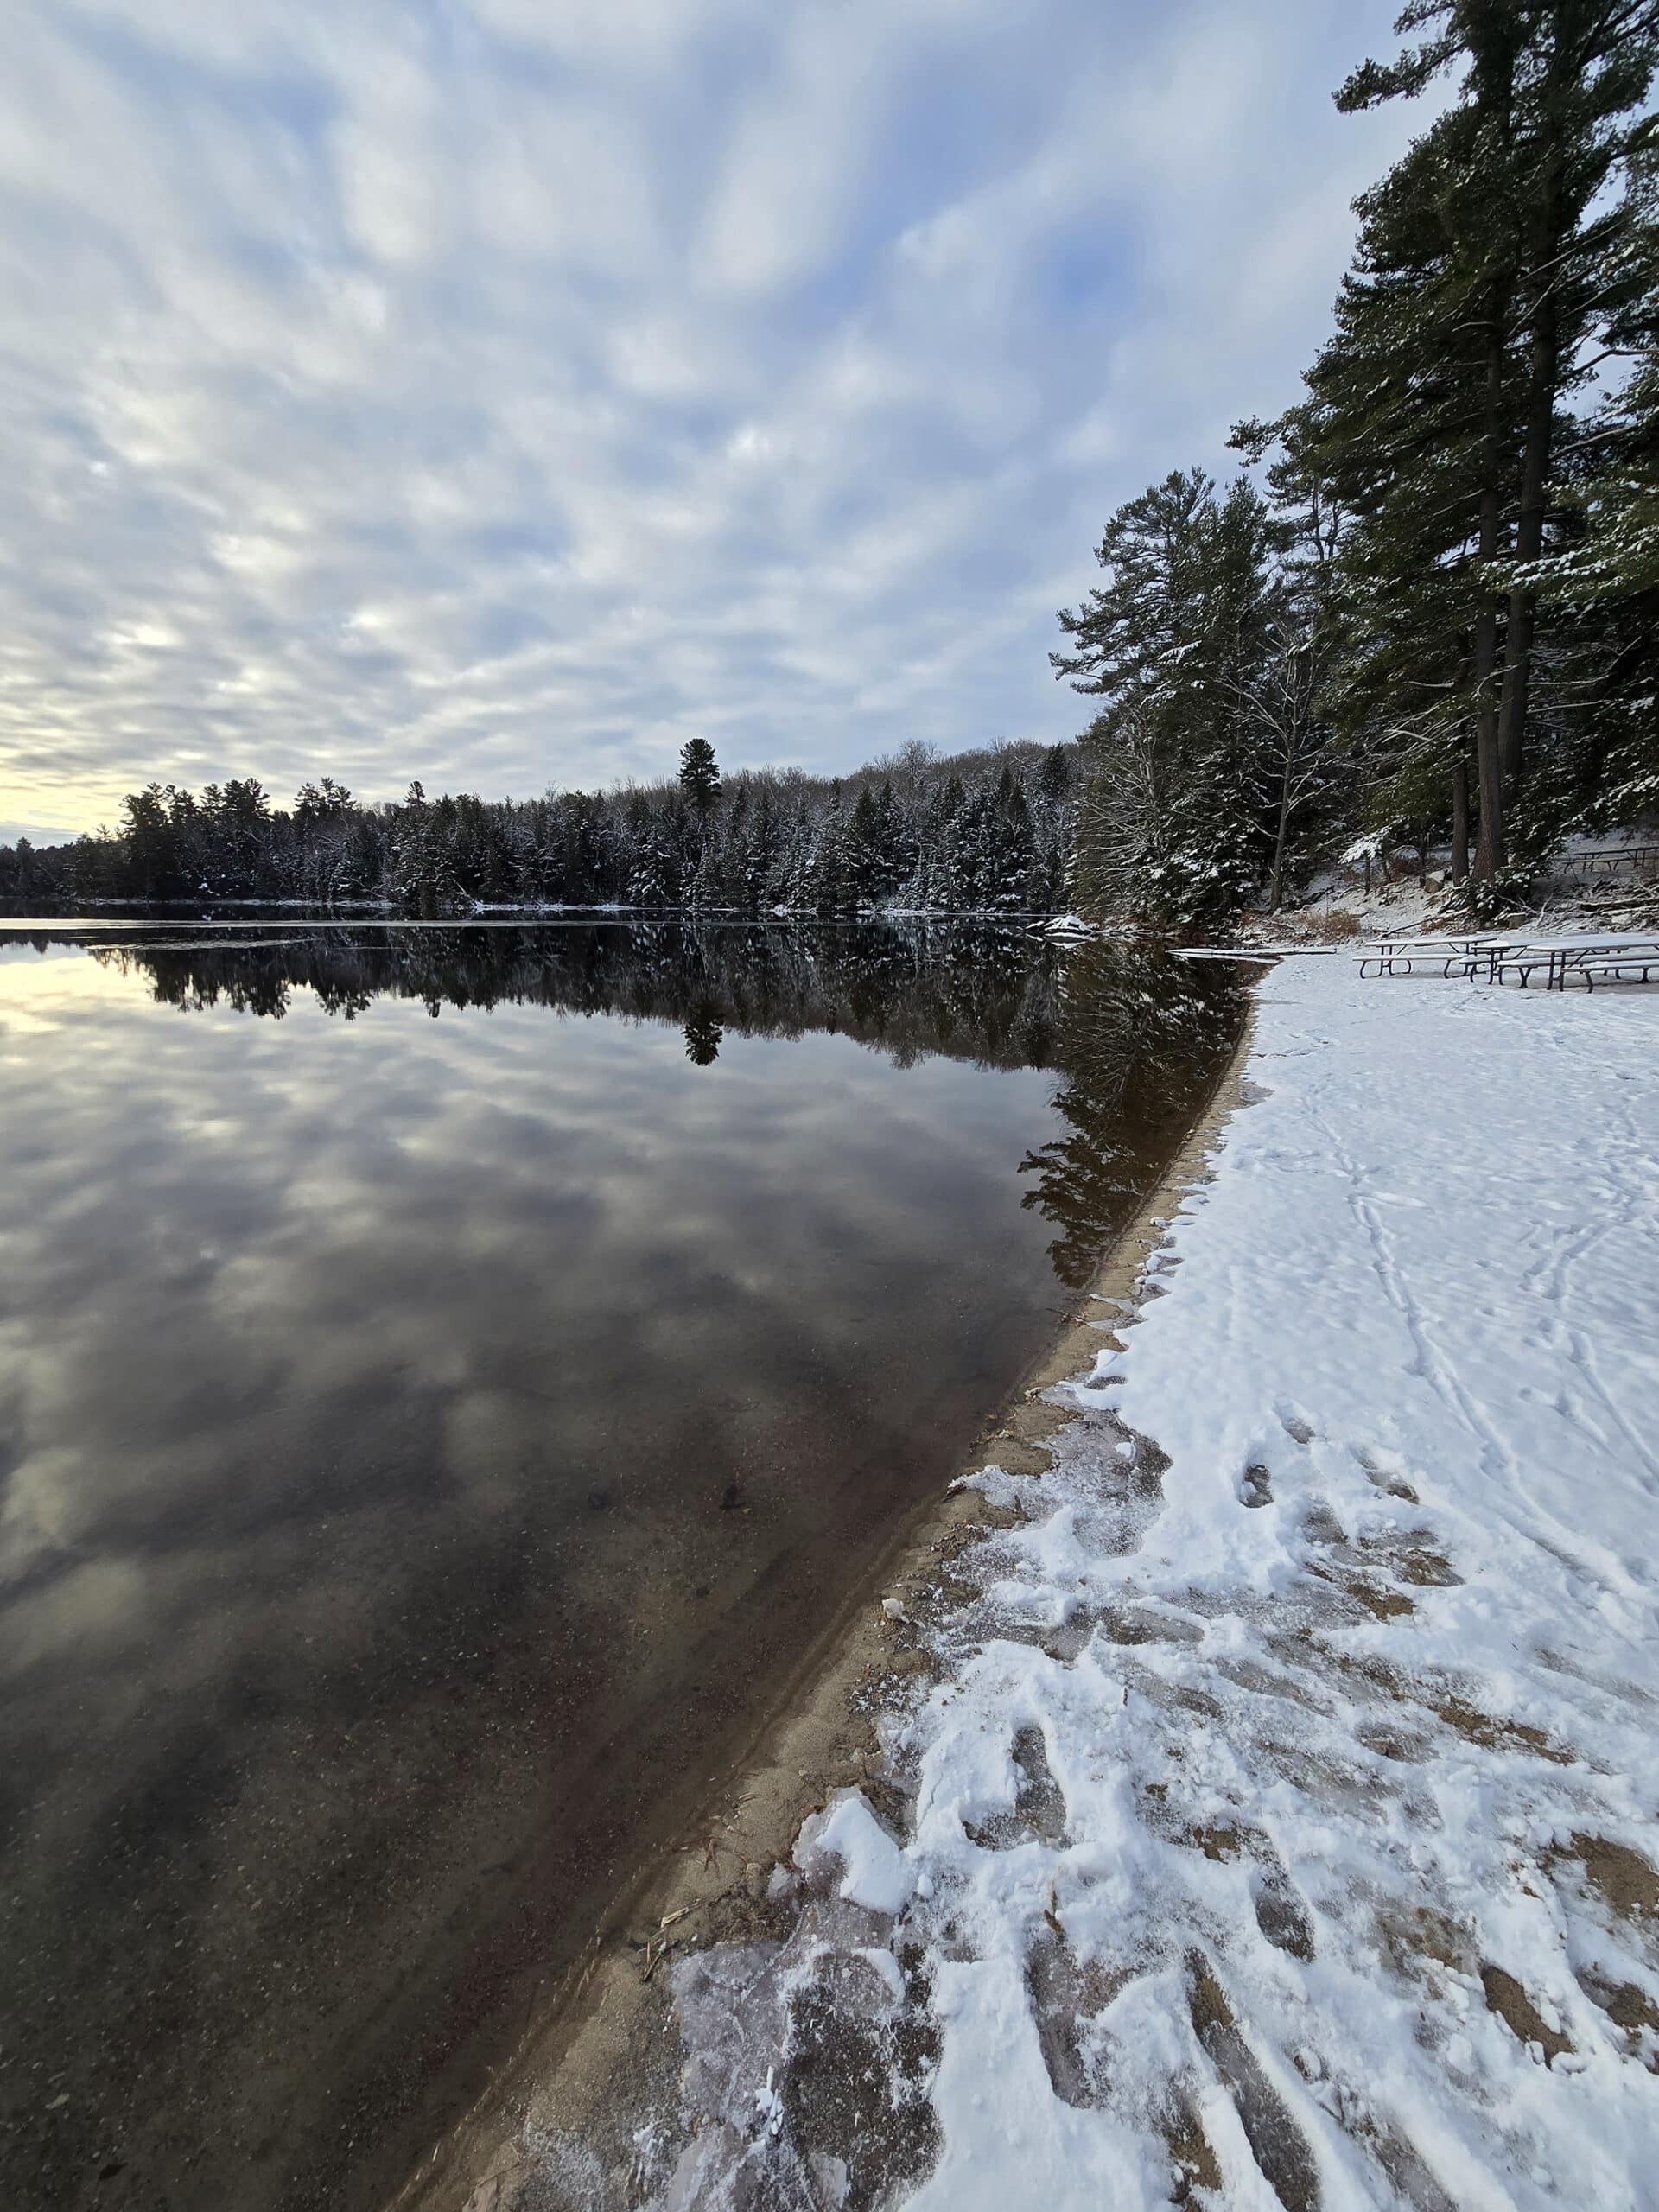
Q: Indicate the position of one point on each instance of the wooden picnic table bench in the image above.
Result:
(1562, 956)
(1641, 860)
(1635, 963)
(1393, 955)
(1501, 956)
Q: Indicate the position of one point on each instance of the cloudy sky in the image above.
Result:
(499, 391)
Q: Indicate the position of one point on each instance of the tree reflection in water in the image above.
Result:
(1135, 1034)
(981, 993)
(1141, 1040)
(702, 1035)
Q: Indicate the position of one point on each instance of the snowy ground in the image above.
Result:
(1276, 1824)
(1590, 887)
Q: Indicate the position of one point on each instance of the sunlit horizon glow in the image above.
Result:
(501, 391)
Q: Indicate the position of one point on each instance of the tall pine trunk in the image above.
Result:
(1495, 52)
(1543, 381)
(1488, 777)
(1460, 814)
(1529, 544)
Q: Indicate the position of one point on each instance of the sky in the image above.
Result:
(502, 391)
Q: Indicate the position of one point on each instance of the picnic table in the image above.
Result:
(1611, 957)
(1585, 867)
(1394, 956)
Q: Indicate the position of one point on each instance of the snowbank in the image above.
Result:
(1279, 1825)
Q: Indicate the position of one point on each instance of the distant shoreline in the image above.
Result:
(204, 914)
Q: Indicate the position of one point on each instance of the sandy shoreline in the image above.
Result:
(560, 2122)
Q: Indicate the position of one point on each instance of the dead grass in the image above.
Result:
(1337, 927)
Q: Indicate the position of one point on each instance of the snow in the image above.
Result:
(1282, 1811)
(876, 1873)
(1567, 894)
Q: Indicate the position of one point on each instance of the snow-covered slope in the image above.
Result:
(1280, 1826)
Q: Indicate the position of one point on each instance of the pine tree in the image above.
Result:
(1600, 590)
(864, 870)
(895, 841)
(652, 881)
(824, 886)
(1493, 255)
(1015, 856)
(1415, 427)
(970, 853)
(699, 777)
(762, 844)
(1166, 826)
(152, 855)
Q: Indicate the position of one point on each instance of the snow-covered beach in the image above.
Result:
(1271, 1817)
(1344, 1717)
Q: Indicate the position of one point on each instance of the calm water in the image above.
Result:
(445, 1374)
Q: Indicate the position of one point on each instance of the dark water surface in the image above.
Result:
(423, 1440)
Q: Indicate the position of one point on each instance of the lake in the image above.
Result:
(448, 1375)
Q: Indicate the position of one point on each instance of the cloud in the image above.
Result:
(500, 394)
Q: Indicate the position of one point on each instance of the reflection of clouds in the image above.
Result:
(45, 1509)
(266, 1268)
(39, 989)
(99, 1610)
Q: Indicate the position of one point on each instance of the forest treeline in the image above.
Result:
(979, 832)
(1435, 622)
